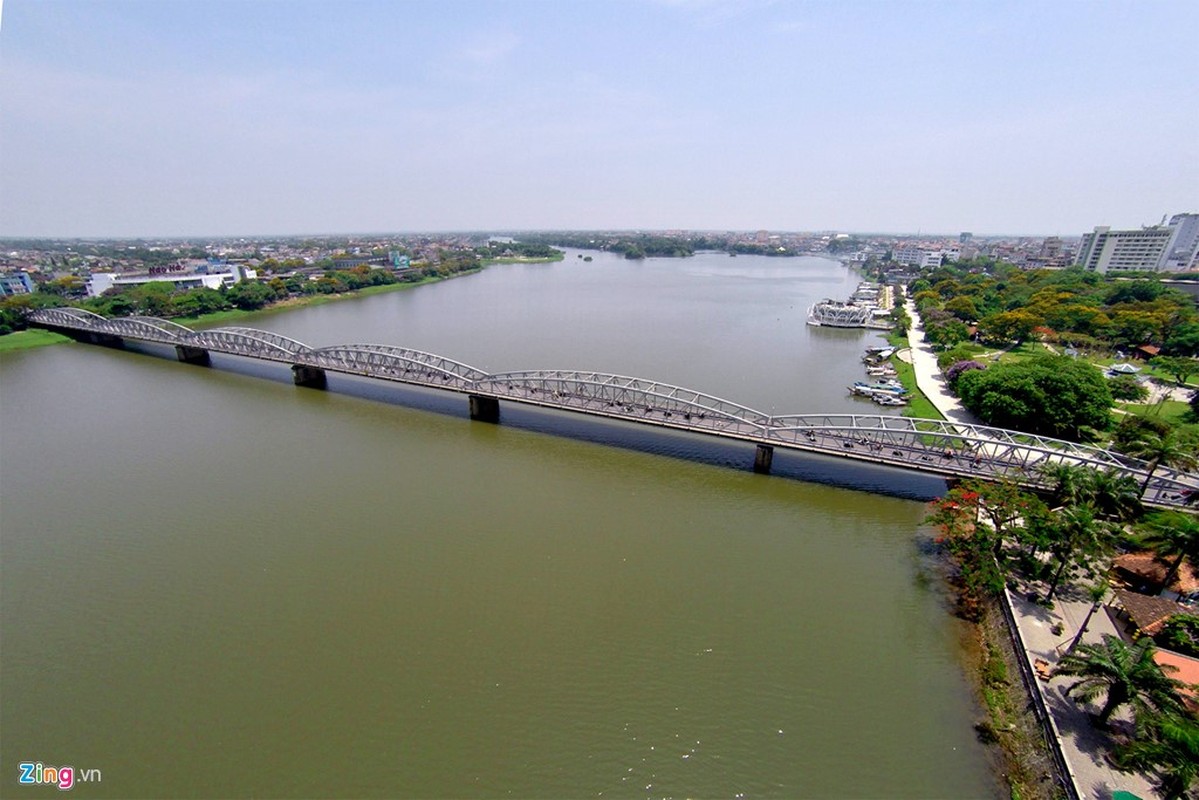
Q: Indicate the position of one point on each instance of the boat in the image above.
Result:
(884, 400)
(833, 314)
(884, 388)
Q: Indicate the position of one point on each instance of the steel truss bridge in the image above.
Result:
(948, 449)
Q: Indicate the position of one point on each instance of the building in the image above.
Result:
(16, 283)
(100, 282)
(916, 256)
(1183, 253)
(1155, 248)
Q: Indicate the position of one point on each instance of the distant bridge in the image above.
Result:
(948, 449)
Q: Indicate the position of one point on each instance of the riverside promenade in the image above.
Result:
(1082, 748)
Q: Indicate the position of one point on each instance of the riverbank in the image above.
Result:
(25, 340)
(1010, 725)
(234, 314)
(1026, 761)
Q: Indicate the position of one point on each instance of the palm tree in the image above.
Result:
(1171, 749)
(1069, 481)
(1125, 674)
(1115, 494)
(1078, 536)
(1097, 592)
(1173, 533)
(1172, 448)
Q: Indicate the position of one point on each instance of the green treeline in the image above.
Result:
(1071, 307)
(646, 245)
(1050, 334)
(163, 299)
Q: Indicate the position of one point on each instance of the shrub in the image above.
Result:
(956, 371)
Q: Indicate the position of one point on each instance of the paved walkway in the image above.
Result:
(1083, 747)
(928, 374)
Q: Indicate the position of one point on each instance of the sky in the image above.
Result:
(277, 117)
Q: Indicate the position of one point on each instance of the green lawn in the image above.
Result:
(35, 337)
(1021, 352)
(919, 405)
(1173, 411)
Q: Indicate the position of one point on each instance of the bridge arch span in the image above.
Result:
(148, 328)
(69, 318)
(248, 342)
(631, 398)
(395, 363)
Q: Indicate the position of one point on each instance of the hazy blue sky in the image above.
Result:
(170, 117)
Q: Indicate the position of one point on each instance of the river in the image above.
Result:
(216, 584)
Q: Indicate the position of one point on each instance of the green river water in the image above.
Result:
(217, 584)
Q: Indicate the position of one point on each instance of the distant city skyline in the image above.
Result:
(140, 119)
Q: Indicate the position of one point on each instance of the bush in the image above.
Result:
(958, 369)
(961, 352)
(1181, 634)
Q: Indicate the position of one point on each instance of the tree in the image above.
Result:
(1183, 340)
(947, 333)
(66, 286)
(1178, 366)
(1175, 448)
(1168, 746)
(15, 310)
(1006, 326)
(963, 308)
(155, 298)
(1125, 674)
(1069, 482)
(1181, 634)
(1127, 387)
(1097, 592)
(1079, 537)
(972, 546)
(1173, 533)
(249, 295)
(1049, 395)
(1133, 328)
(200, 301)
(1114, 494)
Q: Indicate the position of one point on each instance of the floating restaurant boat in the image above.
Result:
(832, 314)
(860, 311)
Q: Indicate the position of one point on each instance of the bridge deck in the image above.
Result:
(934, 446)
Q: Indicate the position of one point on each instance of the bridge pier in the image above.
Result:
(193, 355)
(310, 377)
(763, 458)
(484, 409)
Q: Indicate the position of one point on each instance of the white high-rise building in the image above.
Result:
(1183, 252)
(1160, 248)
